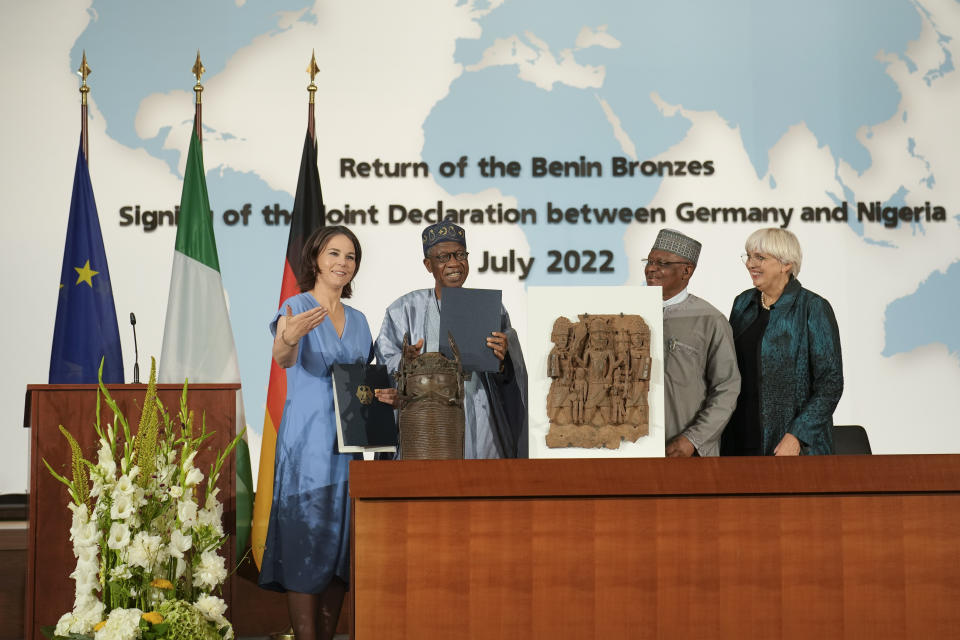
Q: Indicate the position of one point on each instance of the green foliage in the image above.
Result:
(186, 623)
(79, 483)
(145, 445)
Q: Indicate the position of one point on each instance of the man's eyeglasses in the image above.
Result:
(660, 264)
(444, 258)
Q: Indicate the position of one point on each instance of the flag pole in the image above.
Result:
(313, 70)
(198, 71)
(307, 215)
(84, 71)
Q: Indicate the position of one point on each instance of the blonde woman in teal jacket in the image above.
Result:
(788, 351)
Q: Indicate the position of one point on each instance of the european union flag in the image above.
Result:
(86, 328)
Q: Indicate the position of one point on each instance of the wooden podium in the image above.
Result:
(816, 547)
(50, 591)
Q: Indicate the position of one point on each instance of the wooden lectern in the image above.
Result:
(50, 590)
(814, 547)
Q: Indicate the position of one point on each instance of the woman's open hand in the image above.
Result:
(296, 326)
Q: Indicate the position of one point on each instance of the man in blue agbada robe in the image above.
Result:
(494, 403)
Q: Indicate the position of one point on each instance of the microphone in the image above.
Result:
(136, 353)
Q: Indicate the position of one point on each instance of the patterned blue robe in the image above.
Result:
(494, 404)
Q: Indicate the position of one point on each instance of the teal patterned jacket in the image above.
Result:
(801, 369)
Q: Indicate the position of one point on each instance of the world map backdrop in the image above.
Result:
(562, 134)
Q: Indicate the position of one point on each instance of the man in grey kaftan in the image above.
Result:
(494, 403)
(701, 379)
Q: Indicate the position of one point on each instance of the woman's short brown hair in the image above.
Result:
(311, 249)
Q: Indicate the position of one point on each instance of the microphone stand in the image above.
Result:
(136, 352)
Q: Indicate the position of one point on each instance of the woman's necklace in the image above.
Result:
(763, 301)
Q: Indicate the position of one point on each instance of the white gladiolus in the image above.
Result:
(87, 566)
(96, 486)
(188, 462)
(124, 486)
(194, 477)
(212, 519)
(166, 475)
(86, 535)
(80, 515)
(86, 554)
(119, 536)
(122, 507)
(179, 544)
(88, 603)
(212, 503)
(85, 581)
(107, 472)
(121, 572)
(64, 624)
(187, 512)
(176, 492)
(181, 567)
(105, 457)
(91, 613)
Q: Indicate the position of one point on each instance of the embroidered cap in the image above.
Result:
(677, 243)
(444, 231)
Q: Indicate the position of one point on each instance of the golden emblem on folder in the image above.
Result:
(365, 394)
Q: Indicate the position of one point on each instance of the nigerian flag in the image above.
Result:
(197, 338)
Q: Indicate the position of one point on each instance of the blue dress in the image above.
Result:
(309, 530)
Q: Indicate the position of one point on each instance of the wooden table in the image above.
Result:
(815, 547)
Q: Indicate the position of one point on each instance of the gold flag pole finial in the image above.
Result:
(313, 70)
(198, 71)
(84, 71)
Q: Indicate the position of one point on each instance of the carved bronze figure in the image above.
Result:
(600, 368)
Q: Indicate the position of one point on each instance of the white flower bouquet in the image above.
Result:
(146, 530)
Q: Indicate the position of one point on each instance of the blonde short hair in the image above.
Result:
(778, 243)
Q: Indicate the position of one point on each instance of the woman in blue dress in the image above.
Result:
(307, 548)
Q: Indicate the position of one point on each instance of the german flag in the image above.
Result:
(308, 215)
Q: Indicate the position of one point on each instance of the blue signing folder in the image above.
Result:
(363, 422)
(471, 315)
